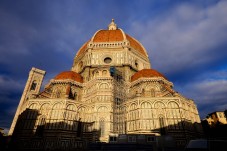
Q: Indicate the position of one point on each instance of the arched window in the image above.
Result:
(58, 93)
(162, 126)
(149, 92)
(143, 92)
(81, 112)
(80, 65)
(174, 111)
(96, 73)
(71, 94)
(70, 117)
(152, 93)
(103, 86)
(75, 96)
(146, 105)
(159, 105)
(136, 64)
(146, 110)
(33, 86)
(40, 126)
(32, 111)
(104, 72)
(132, 111)
(56, 115)
(102, 127)
(44, 109)
(102, 109)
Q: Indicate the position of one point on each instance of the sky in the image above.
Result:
(186, 40)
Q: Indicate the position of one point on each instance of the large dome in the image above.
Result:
(113, 37)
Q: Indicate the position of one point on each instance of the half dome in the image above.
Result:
(113, 35)
(69, 75)
(147, 73)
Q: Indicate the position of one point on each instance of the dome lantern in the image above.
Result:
(112, 25)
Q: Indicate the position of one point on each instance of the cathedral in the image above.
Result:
(111, 90)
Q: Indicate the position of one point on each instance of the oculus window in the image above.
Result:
(107, 60)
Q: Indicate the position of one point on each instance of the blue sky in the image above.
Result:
(185, 40)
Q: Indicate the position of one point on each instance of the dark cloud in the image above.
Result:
(208, 94)
(188, 44)
(185, 37)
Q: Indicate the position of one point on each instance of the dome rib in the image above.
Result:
(83, 48)
(136, 45)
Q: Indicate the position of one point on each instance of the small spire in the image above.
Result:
(112, 25)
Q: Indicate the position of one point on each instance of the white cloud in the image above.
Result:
(186, 36)
(209, 93)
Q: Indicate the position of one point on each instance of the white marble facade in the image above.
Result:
(111, 89)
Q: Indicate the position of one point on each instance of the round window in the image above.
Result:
(107, 60)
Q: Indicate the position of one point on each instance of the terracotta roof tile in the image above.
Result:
(135, 45)
(69, 75)
(108, 36)
(113, 36)
(146, 73)
(83, 48)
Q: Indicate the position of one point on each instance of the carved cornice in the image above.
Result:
(151, 79)
(115, 44)
(67, 81)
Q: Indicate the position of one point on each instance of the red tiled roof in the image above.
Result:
(135, 45)
(113, 36)
(108, 36)
(146, 73)
(69, 75)
(83, 48)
